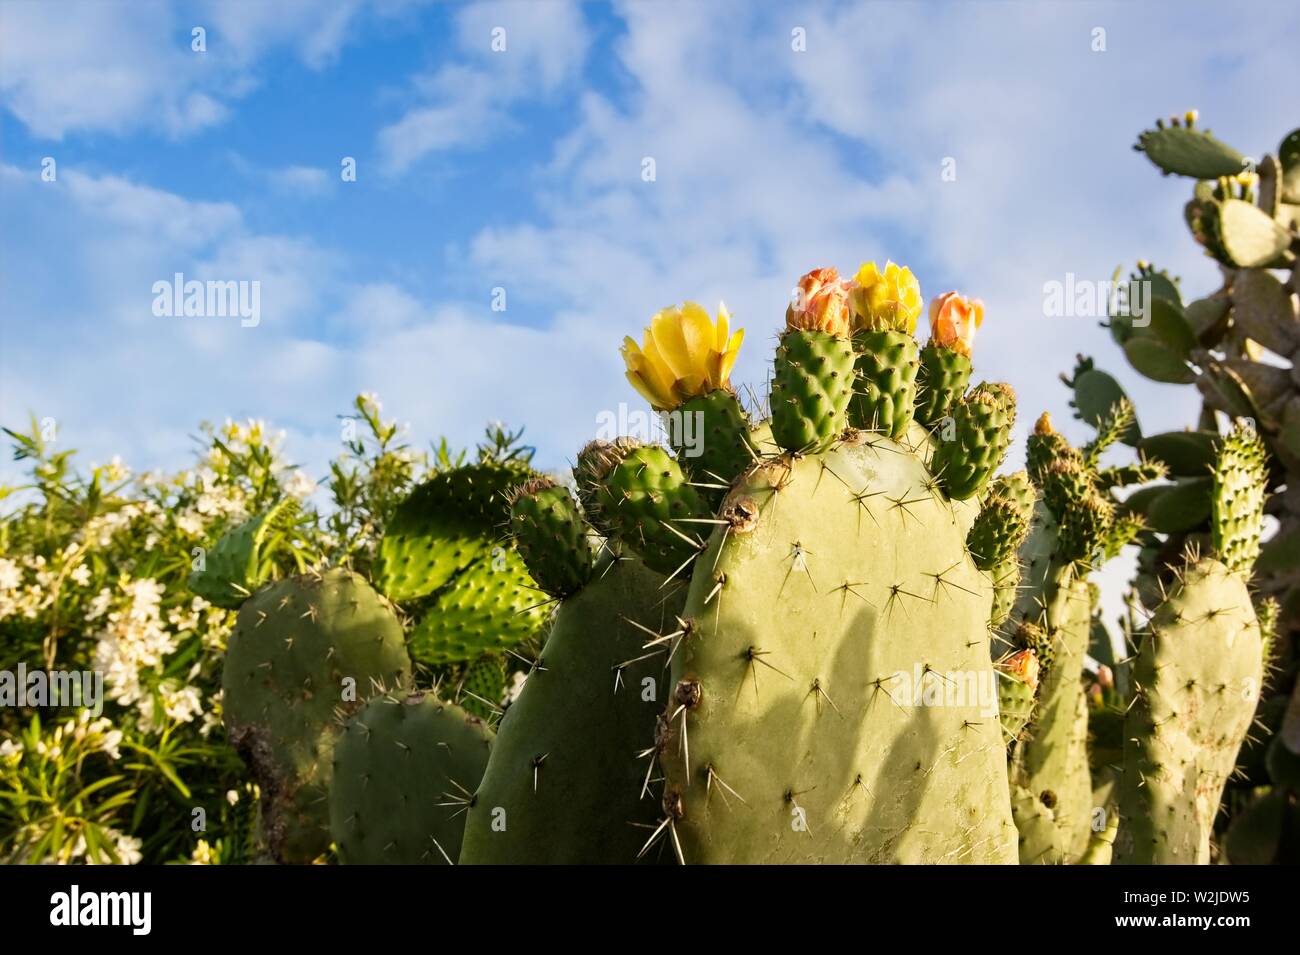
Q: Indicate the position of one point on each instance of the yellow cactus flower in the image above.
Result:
(953, 320)
(684, 354)
(822, 306)
(886, 301)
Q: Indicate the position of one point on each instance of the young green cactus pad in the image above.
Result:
(1003, 521)
(813, 376)
(834, 698)
(405, 767)
(1184, 150)
(1238, 502)
(595, 462)
(443, 526)
(945, 364)
(1017, 688)
(966, 458)
(551, 536)
(241, 561)
(885, 308)
(490, 606)
(564, 784)
(1198, 673)
(653, 508)
(304, 650)
(998, 533)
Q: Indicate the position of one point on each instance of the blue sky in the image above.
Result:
(522, 169)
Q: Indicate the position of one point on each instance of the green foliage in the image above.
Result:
(94, 576)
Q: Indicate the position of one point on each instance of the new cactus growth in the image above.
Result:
(1198, 673)
(945, 364)
(305, 650)
(405, 767)
(996, 536)
(654, 509)
(551, 536)
(885, 308)
(441, 557)
(813, 375)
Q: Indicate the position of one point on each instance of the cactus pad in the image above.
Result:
(404, 769)
(812, 385)
(304, 650)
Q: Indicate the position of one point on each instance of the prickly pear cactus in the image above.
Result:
(443, 558)
(833, 695)
(242, 559)
(305, 650)
(405, 767)
(1198, 673)
(1075, 528)
(565, 784)
(808, 723)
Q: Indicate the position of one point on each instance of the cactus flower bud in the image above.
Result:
(953, 320)
(684, 354)
(823, 304)
(889, 300)
(1023, 665)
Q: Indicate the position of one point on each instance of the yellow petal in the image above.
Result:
(724, 327)
(666, 331)
(656, 371)
(646, 392)
(868, 274)
(698, 334)
(729, 356)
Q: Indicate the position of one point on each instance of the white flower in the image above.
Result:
(190, 523)
(115, 471)
(81, 575)
(128, 847)
(11, 751)
(99, 604)
(299, 485)
(202, 854)
(10, 575)
(232, 796)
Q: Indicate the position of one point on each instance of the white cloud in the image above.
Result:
(467, 101)
(118, 66)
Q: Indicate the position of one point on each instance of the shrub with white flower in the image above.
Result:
(94, 577)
